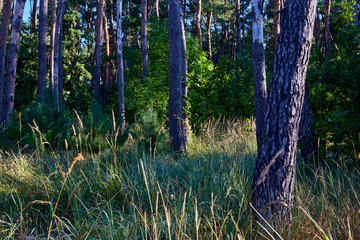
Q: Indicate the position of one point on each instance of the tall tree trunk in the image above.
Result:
(98, 34)
(317, 29)
(157, 8)
(238, 29)
(4, 29)
(1, 7)
(277, 7)
(52, 46)
(208, 25)
(177, 138)
(258, 55)
(274, 174)
(107, 64)
(120, 65)
(243, 27)
(61, 67)
(221, 45)
(327, 28)
(112, 31)
(144, 43)
(198, 33)
(33, 18)
(42, 50)
(11, 63)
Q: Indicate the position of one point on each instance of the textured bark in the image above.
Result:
(60, 67)
(175, 77)
(52, 46)
(4, 29)
(258, 55)
(98, 43)
(317, 28)
(107, 64)
(42, 50)
(238, 28)
(277, 6)
(208, 25)
(120, 65)
(274, 177)
(305, 131)
(144, 43)
(33, 21)
(11, 64)
(198, 33)
(327, 28)
(112, 36)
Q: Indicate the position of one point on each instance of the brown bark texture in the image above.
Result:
(11, 63)
(208, 25)
(42, 50)
(33, 21)
(238, 28)
(274, 175)
(144, 43)
(198, 32)
(52, 45)
(98, 44)
(327, 28)
(107, 64)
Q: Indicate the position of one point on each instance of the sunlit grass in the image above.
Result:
(125, 193)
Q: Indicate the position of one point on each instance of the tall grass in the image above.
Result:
(127, 193)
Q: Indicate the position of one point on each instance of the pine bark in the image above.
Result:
(177, 138)
(120, 65)
(208, 25)
(42, 50)
(238, 28)
(317, 29)
(327, 28)
(98, 44)
(144, 43)
(11, 64)
(277, 7)
(52, 46)
(274, 174)
(198, 32)
(4, 29)
(107, 64)
(33, 21)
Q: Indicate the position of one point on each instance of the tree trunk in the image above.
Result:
(243, 27)
(277, 7)
(157, 8)
(107, 64)
(175, 77)
(208, 25)
(198, 33)
(274, 174)
(61, 67)
(221, 45)
(112, 31)
(144, 43)
(327, 28)
(11, 64)
(238, 29)
(98, 34)
(52, 46)
(33, 18)
(317, 29)
(4, 29)
(42, 50)
(258, 55)
(1, 7)
(120, 65)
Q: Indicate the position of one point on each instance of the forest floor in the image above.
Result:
(122, 192)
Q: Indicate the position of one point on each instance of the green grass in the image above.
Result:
(122, 192)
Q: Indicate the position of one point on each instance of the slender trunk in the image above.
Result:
(221, 45)
(258, 55)
(238, 29)
(120, 65)
(60, 66)
(274, 174)
(157, 8)
(317, 29)
(208, 25)
(144, 43)
(277, 7)
(198, 23)
(327, 28)
(243, 27)
(4, 29)
(175, 77)
(98, 34)
(11, 64)
(42, 50)
(107, 64)
(52, 46)
(33, 18)
(112, 31)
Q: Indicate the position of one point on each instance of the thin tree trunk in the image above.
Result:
(60, 66)
(221, 45)
(157, 8)
(208, 25)
(120, 65)
(327, 28)
(112, 31)
(177, 138)
(258, 55)
(52, 46)
(317, 29)
(198, 33)
(107, 64)
(238, 29)
(243, 27)
(33, 21)
(274, 175)
(98, 34)
(4, 29)
(277, 7)
(144, 43)
(42, 50)
(11, 64)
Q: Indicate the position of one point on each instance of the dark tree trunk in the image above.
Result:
(33, 18)
(11, 63)
(61, 68)
(52, 46)
(112, 37)
(208, 25)
(4, 29)
(107, 64)
(317, 29)
(98, 34)
(243, 27)
(277, 7)
(42, 50)
(198, 32)
(175, 77)
(120, 65)
(238, 29)
(274, 174)
(258, 54)
(223, 38)
(144, 43)
(327, 28)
